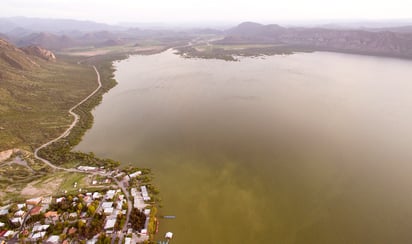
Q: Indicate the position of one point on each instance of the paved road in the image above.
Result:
(67, 132)
(129, 209)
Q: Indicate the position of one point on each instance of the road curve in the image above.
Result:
(67, 132)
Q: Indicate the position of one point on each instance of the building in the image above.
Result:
(19, 213)
(37, 236)
(96, 195)
(145, 194)
(51, 216)
(73, 215)
(4, 212)
(133, 192)
(60, 199)
(107, 205)
(108, 211)
(110, 194)
(135, 174)
(17, 221)
(127, 240)
(38, 228)
(21, 205)
(87, 168)
(33, 202)
(110, 224)
(53, 239)
(36, 210)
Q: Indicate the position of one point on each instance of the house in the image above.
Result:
(4, 212)
(87, 168)
(19, 213)
(60, 199)
(110, 224)
(72, 231)
(38, 228)
(73, 215)
(87, 199)
(110, 194)
(30, 203)
(91, 241)
(37, 236)
(2, 225)
(145, 194)
(119, 204)
(8, 233)
(96, 195)
(127, 240)
(107, 205)
(53, 239)
(135, 174)
(17, 221)
(35, 211)
(133, 192)
(169, 235)
(51, 216)
(108, 211)
(47, 200)
(21, 205)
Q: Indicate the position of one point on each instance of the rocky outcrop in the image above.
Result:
(39, 52)
(14, 57)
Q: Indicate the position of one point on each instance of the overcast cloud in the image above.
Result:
(114, 11)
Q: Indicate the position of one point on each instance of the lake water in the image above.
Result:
(306, 148)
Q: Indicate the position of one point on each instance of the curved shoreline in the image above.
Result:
(68, 130)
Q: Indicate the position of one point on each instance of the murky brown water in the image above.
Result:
(307, 148)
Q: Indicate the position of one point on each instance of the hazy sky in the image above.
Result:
(114, 11)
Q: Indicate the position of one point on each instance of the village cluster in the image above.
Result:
(119, 210)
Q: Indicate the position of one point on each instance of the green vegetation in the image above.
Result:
(34, 109)
(35, 102)
(230, 52)
(60, 152)
(137, 219)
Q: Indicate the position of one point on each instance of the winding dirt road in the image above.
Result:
(67, 132)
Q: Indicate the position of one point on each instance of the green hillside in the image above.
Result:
(36, 95)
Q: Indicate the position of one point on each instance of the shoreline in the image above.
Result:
(67, 132)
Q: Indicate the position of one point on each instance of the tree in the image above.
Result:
(91, 209)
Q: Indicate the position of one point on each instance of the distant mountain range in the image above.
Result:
(394, 41)
(59, 34)
(52, 25)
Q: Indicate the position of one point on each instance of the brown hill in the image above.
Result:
(39, 52)
(386, 43)
(12, 57)
(47, 40)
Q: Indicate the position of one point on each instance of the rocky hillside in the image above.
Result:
(387, 43)
(39, 52)
(14, 60)
(12, 57)
(47, 40)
